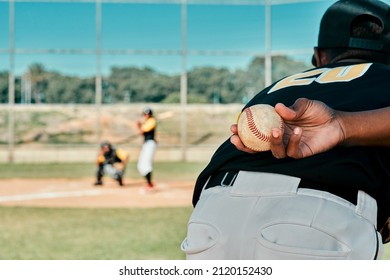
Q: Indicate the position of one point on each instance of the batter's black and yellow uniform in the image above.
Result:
(145, 160)
(341, 171)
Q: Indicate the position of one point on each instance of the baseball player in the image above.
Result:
(147, 128)
(327, 206)
(112, 162)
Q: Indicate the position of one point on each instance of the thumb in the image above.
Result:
(285, 112)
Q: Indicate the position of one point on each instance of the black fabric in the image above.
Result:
(222, 179)
(149, 177)
(149, 135)
(111, 157)
(339, 17)
(100, 172)
(345, 170)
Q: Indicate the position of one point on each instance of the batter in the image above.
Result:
(145, 161)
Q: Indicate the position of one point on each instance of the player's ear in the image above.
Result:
(316, 57)
(320, 57)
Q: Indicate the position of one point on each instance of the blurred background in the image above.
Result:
(76, 72)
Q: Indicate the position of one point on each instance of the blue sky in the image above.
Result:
(149, 27)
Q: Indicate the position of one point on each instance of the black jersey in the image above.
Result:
(149, 129)
(113, 156)
(342, 86)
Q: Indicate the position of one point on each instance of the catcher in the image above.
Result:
(112, 162)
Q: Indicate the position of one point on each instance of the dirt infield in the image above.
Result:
(81, 193)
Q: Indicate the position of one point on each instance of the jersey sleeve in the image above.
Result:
(100, 159)
(148, 125)
(121, 154)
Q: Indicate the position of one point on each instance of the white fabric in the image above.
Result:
(266, 216)
(145, 160)
(111, 171)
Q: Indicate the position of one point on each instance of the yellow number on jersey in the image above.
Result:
(323, 75)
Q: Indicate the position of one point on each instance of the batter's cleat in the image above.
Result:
(120, 181)
(149, 186)
(98, 183)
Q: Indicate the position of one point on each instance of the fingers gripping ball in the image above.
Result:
(255, 124)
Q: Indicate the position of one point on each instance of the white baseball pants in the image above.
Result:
(266, 216)
(111, 171)
(145, 159)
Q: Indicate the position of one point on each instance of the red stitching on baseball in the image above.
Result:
(253, 128)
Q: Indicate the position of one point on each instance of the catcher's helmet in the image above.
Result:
(336, 22)
(106, 144)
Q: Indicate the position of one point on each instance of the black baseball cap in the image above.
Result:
(336, 24)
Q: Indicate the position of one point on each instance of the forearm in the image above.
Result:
(368, 128)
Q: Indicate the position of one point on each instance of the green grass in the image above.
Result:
(46, 170)
(29, 233)
(162, 170)
(386, 255)
(32, 233)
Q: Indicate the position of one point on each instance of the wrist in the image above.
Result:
(354, 126)
(341, 119)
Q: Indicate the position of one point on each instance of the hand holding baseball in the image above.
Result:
(236, 141)
(254, 126)
(311, 127)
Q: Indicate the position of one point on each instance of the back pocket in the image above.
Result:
(200, 238)
(296, 241)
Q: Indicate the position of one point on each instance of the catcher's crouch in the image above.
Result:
(112, 162)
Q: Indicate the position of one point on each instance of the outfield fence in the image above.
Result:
(58, 133)
(16, 55)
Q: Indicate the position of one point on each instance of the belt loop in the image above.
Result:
(231, 181)
(366, 207)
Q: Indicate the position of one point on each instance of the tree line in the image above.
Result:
(131, 84)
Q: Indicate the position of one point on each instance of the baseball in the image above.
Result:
(255, 124)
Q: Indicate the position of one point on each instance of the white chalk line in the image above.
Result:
(49, 195)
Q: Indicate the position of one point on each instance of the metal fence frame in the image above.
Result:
(183, 53)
